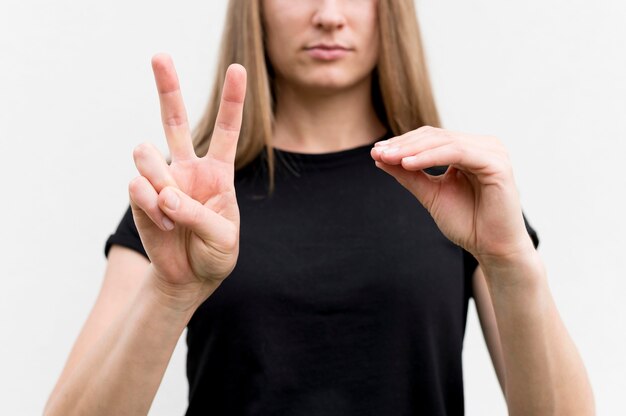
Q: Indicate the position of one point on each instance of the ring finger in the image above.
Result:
(151, 165)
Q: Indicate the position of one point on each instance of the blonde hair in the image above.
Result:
(401, 89)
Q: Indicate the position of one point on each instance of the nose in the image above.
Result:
(328, 15)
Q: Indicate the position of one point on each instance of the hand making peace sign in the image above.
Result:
(186, 212)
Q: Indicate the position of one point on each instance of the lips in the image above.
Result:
(326, 51)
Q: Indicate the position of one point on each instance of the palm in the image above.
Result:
(453, 205)
(203, 245)
(470, 212)
(181, 251)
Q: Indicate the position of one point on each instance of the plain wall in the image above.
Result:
(77, 95)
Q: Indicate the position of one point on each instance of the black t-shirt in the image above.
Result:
(346, 298)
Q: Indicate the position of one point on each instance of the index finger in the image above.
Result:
(173, 113)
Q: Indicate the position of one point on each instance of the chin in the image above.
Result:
(331, 79)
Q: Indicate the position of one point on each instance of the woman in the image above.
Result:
(346, 294)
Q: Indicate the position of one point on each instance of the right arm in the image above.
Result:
(187, 216)
(119, 359)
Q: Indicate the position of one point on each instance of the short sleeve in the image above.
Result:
(470, 263)
(126, 235)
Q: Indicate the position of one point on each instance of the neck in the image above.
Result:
(309, 121)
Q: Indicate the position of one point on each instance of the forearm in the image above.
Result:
(122, 372)
(543, 371)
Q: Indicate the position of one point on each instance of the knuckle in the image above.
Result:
(457, 147)
(451, 136)
(230, 241)
(175, 120)
(457, 153)
(232, 99)
(227, 127)
(504, 167)
(506, 161)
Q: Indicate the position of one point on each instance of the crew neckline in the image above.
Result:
(332, 156)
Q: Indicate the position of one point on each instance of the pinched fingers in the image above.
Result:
(151, 165)
(223, 145)
(428, 147)
(392, 152)
(144, 196)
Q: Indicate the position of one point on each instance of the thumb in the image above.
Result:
(187, 212)
(421, 185)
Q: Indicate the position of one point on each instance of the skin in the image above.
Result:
(292, 27)
(188, 219)
(322, 106)
(476, 205)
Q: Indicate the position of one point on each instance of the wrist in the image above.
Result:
(523, 267)
(512, 254)
(178, 298)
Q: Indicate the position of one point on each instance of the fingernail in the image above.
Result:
(168, 224)
(171, 200)
(390, 151)
(383, 143)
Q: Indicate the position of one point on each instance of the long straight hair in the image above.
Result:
(401, 89)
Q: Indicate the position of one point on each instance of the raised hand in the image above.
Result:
(186, 212)
(475, 203)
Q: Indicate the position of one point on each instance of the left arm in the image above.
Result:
(539, 368)
(476, 205)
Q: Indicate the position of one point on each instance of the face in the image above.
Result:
(322, 44)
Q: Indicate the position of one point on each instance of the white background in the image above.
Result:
(77, 94)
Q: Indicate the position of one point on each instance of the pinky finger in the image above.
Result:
(144, 196)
